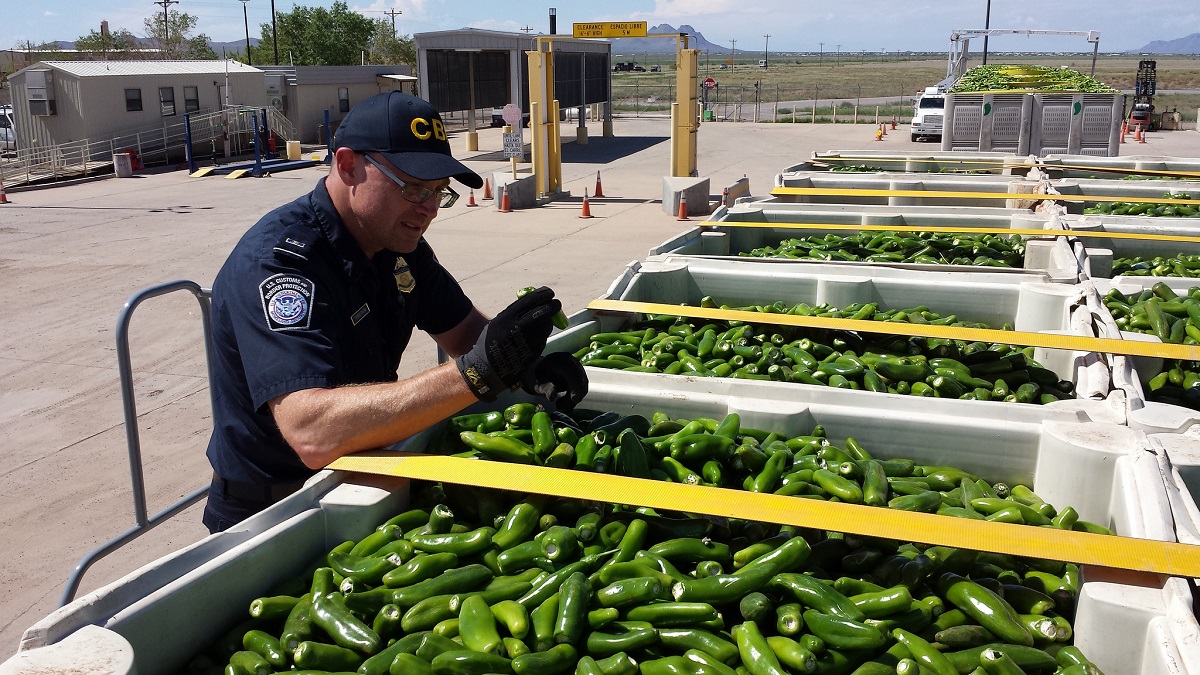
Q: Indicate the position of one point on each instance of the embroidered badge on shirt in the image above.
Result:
(287, 301)
(405, 282)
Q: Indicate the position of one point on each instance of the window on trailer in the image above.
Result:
(191, 99)
(343, 99)
(166, 100)
(133, 100)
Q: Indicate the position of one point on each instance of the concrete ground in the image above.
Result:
(70, 256)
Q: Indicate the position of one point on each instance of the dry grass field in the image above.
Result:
(851, 77)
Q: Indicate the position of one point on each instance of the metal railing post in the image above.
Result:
(142, 521)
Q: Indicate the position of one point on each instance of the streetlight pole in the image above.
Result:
(275, 37)
(246, 20)
(839, 55)
(766, 42)
(732, 52)
(822, 55)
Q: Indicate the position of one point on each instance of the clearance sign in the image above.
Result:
(609, 29)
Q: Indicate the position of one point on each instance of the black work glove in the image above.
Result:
(509, 345)
(558, 377)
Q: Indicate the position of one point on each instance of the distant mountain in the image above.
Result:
(661, 45)
(1183, 45)
(235, 47)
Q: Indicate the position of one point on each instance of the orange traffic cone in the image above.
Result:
(1124, 130)
(599, 188)
(682, 206)
(893, 121)
(3, 194)
(471, 198)
(504, 206)
(885, 128)
(587, 209)
(1141, 134)
(487, 189)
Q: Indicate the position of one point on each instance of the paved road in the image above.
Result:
(70, 256)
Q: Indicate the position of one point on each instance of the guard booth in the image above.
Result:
(468, 70)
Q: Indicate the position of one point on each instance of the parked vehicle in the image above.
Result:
(928, 111)
(8, 133)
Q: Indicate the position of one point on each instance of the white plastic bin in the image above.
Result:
(174, 606)
(1029, 305)
(123, 165)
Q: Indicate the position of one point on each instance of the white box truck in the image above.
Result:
(929, 108)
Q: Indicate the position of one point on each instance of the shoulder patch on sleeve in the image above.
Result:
(297, 241)
(287, 301)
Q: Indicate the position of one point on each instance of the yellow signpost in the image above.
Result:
(609, 29)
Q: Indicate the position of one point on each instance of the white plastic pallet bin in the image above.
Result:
(173, 607)
(932, 182)
(976, 296)
(1051, 257)
(1004, 163)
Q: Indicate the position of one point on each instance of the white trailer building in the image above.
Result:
(56, 102)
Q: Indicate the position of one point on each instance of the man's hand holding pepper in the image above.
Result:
(509, 345)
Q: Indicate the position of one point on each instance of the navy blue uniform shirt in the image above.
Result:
(299, 306)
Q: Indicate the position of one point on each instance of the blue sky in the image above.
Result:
(793, 25)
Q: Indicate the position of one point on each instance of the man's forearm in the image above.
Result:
(324, 424)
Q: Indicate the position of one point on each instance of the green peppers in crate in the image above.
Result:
(930, 248)
(1172, 318)
(870, 362)
(1148, 208)
(770, 598)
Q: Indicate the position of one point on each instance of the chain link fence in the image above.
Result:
(740, 103)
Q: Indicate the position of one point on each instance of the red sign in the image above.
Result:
(710, 83)
(511, 113)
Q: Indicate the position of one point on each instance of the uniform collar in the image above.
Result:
(354, 261)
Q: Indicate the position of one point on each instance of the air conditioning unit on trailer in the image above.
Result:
(39, 88)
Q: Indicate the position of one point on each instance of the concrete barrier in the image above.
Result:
(522, 192)
(696, 190)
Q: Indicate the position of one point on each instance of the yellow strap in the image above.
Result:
(1014, 163)
(1008, 337)
(953, 194)
(1145, 236)
(1023, 540)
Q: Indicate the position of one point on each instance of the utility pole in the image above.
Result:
(392, 13)
(732, 52)
(766, 41)
(166, 24)
(821, 58)
(839, 55)
(987, 23)
(246, 20)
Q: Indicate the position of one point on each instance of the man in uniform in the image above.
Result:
(315, 305)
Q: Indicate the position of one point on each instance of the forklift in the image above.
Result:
(1142, 111)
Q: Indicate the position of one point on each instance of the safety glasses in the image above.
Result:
(415, 193)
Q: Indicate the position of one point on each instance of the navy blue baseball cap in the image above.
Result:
(409, 132)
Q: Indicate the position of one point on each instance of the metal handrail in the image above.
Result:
(143, 522)
(86, 154)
